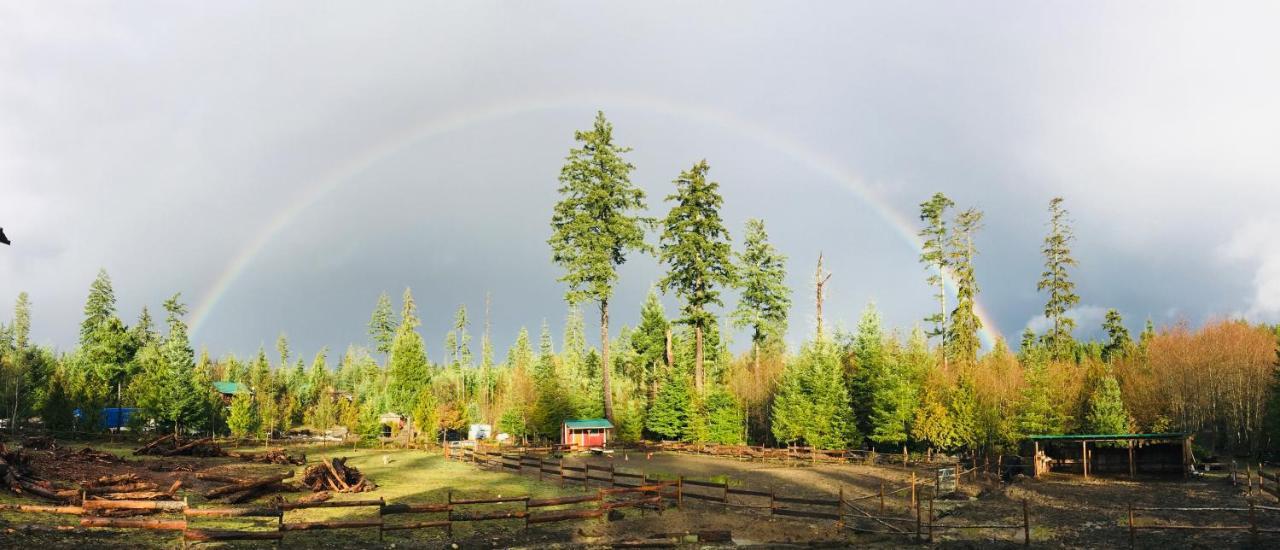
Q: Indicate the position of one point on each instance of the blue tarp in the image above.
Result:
(116, 417)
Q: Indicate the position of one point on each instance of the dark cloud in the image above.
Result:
(159, 140)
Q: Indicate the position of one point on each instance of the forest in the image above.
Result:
(670, 374)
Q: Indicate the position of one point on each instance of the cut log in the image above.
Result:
(185, 447)
(145, 449)
(247, 485)
(111, 480)
(157, 524)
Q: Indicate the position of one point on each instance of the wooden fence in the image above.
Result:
(1249, 523)
(846, 511)
(649, 495)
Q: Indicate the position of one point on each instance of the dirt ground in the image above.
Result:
(1065, 511)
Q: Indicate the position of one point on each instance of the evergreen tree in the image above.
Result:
(595, 225)
(1056, 280)
(1107, 414)
(1038, 413)
(382, 324)
(812, 404)
(870, 371)
(933, 254)
(1144, 338)
(962, 338)
(143, 332)
(933, 425)
(243, 421)
(695, 248)
(99, 307)
(407, 369)
(765, 298)
(1118, 341)
(282, 347)
(22, 322)
(963, 410)
(669, 414)
(649, 341)
(460, 353)
(725, 418)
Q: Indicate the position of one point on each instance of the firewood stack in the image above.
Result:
(242, 489)
(334, 475)
(173, 445)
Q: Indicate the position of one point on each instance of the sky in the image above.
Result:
(282, 164)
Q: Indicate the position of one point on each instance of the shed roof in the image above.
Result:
(585, 423)
(1111, 437)
(228, 388)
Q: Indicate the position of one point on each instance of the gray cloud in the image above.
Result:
(159, 139)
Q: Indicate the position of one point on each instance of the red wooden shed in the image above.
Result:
(587, 432)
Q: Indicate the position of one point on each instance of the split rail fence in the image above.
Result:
(907, 510)
(530, 511)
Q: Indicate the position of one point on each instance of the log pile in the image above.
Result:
(334, 475)
(241, 489)
(174, 445)
(119, 487)
(17, 476)
(271, 456)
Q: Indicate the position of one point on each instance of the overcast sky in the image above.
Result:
(280, 164)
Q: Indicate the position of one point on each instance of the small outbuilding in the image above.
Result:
(586, 432)
(228, 390)
(1154, 453)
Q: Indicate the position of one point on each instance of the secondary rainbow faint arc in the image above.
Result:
(397, 142)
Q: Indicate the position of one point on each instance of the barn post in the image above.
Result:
(1084, 457)
(1132, 470)
(1035, 461)
(914, 501)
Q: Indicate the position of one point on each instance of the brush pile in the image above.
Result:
(334, 475)
(241, 489)
(174, 445)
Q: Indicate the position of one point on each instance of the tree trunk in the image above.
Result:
(697, 359)
(605, 367)
(671, 355)
(755, 352)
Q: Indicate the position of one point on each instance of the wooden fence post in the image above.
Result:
(773, 496)
(540, 463)
(680, 492)
(1026, 525)
(382, 503)
(1132, 531)
(931, 520)
(840, 510)
(725, 497)
(612, 480)
(918, 533)
(914, 500)
(586, 476)
(561, 465)
(1253, 526)
(1248, 476)
(882, 497)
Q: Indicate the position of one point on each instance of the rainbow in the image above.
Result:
(821, 164)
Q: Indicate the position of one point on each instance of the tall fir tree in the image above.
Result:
(1056, 280)
(962, 337)
(933, 254)
(695, 248)
(282, 348)
(382, 324)
(765, 299)
(812, 404)
(669, 415)
(596, 224)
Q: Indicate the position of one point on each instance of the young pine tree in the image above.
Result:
(669, 414)
(1118, 342)
(695, 248)
(407, 369)
(595, 225)
(1107, 414)
(243, 421)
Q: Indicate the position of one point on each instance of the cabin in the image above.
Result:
(587, 432)
(1093, 454)
(228, 390)
(392, 422)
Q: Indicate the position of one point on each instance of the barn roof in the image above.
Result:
(228, 388)
(1111, 437)
(585, 423)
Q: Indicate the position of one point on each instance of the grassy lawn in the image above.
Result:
(402, 477)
